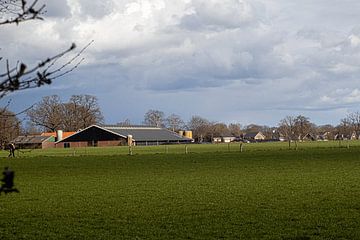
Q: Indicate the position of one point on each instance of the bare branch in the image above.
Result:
(20, 78)
(17, 11)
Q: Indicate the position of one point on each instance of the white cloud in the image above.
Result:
(294, 54)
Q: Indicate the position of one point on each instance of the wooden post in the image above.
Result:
(186, 149)
(241, 147)
(130, 141)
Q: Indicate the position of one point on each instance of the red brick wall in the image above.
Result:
(100, 144)
(47, 145)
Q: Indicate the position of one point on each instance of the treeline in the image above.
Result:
(81, 111)
(288, 128)
(50, 114)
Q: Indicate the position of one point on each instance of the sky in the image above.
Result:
(232, 61)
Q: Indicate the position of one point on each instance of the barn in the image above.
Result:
(108, 135)
(34, 141)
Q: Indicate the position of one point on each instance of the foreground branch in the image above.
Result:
(20, 77)
(17, 11)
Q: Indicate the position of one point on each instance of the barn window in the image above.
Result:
(67, 145)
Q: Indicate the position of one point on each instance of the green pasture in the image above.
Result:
(180, 148)
(265, 192)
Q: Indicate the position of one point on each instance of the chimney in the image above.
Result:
(59, 135)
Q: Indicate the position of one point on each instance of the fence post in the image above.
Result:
(186, 149)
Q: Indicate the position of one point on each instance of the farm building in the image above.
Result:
(34, 141)
(223, 139)
(102, 136)
(254, 136)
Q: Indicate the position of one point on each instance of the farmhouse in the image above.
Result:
(101, 136)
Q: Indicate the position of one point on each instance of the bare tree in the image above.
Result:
(200, 127)
(80, 112)
(52, 114)
(302, 127)
(253, 128)
(154, 118)
(327, 130)
(235, 129)
(344, 129)
(287, 128)
(48, 113)
(9, 126)
(174, 122)
(354, 120)
(125, 123)
(219, 130)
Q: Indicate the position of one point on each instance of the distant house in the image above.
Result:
(324, 136)
(309, 137)
(254, 136)
(216, 140)
(34, 142)
(223, 139)
(102, 136)
(353, 136)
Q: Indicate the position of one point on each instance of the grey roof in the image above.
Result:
(30, 139)
(251, 134)
(145, 133)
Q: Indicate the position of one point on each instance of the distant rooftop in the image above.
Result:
(129, 127)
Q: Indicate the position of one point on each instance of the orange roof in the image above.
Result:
(65, 134)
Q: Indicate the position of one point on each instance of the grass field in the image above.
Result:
(265, 192)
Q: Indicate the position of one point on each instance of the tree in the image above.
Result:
(302, 127)
(219, 130)
(79, 112)
(125, 123)
(174, 122)
(327, 130)
(9, 125)
(235, 129)
(154, 118)
(22, 76)
(354, 120)
(200, 127)
(287, 128)
(344, 129)
(48, 113)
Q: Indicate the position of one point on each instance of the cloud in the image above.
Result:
(281, 55)
(215, 15)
